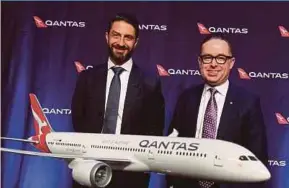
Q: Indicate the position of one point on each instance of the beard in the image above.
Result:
(119, 58)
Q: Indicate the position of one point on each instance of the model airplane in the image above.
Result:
(92, 157)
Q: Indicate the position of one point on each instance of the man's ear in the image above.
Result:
(136, 42)
(106, 36)
(232, 63)
(199, 61)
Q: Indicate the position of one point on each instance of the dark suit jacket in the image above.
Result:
(241, 122)
(143, 111)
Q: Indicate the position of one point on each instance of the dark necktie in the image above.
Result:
(210, 126)
(112, 104)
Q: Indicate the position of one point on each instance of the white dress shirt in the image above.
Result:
(220, 99)
(124, 76)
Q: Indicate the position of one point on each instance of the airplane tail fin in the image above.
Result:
(41, 123)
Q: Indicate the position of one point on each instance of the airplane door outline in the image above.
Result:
(218, 161)
(83, 148)
(151, 154)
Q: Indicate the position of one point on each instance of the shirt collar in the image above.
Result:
(127, 65)
(222, 89)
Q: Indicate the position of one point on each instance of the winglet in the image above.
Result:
(175, 133)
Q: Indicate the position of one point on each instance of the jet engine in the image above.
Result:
(92, 173)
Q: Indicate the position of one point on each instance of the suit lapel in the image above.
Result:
(99, 90)
(229, 108)
(133, 93)
(195, 108)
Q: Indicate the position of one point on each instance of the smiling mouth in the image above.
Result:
(213, 71)
(119, 51)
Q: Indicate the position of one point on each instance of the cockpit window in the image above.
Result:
(243, 158)
(253, 158)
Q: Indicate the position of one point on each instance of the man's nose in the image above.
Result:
(214, 63)
(121, 41)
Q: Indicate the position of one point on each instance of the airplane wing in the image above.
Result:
(20, 140)
(65, 156)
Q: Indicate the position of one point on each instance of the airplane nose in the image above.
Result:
(263, 173)
(266, 174)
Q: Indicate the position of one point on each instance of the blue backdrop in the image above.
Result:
(41, 41)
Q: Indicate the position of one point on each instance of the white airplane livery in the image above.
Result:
(93, 157)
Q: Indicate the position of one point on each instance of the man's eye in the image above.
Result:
(129, 37)
(223, 58)
(207, 57)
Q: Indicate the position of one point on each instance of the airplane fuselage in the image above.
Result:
(170, 155)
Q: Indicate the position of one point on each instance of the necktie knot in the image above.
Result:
(117, 70)
(213, 91)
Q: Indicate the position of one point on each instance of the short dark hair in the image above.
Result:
(128, 18)
(216, 36)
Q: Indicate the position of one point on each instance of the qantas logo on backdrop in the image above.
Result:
(57, 23)
(169, 72)
(153, 27)
(57, 111)
(277, 163)
(281, 119)
(208, 30)
(263, 75)
(283, 31)
(79, 67)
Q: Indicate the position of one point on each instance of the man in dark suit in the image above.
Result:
(218, 109)
(118, 97)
